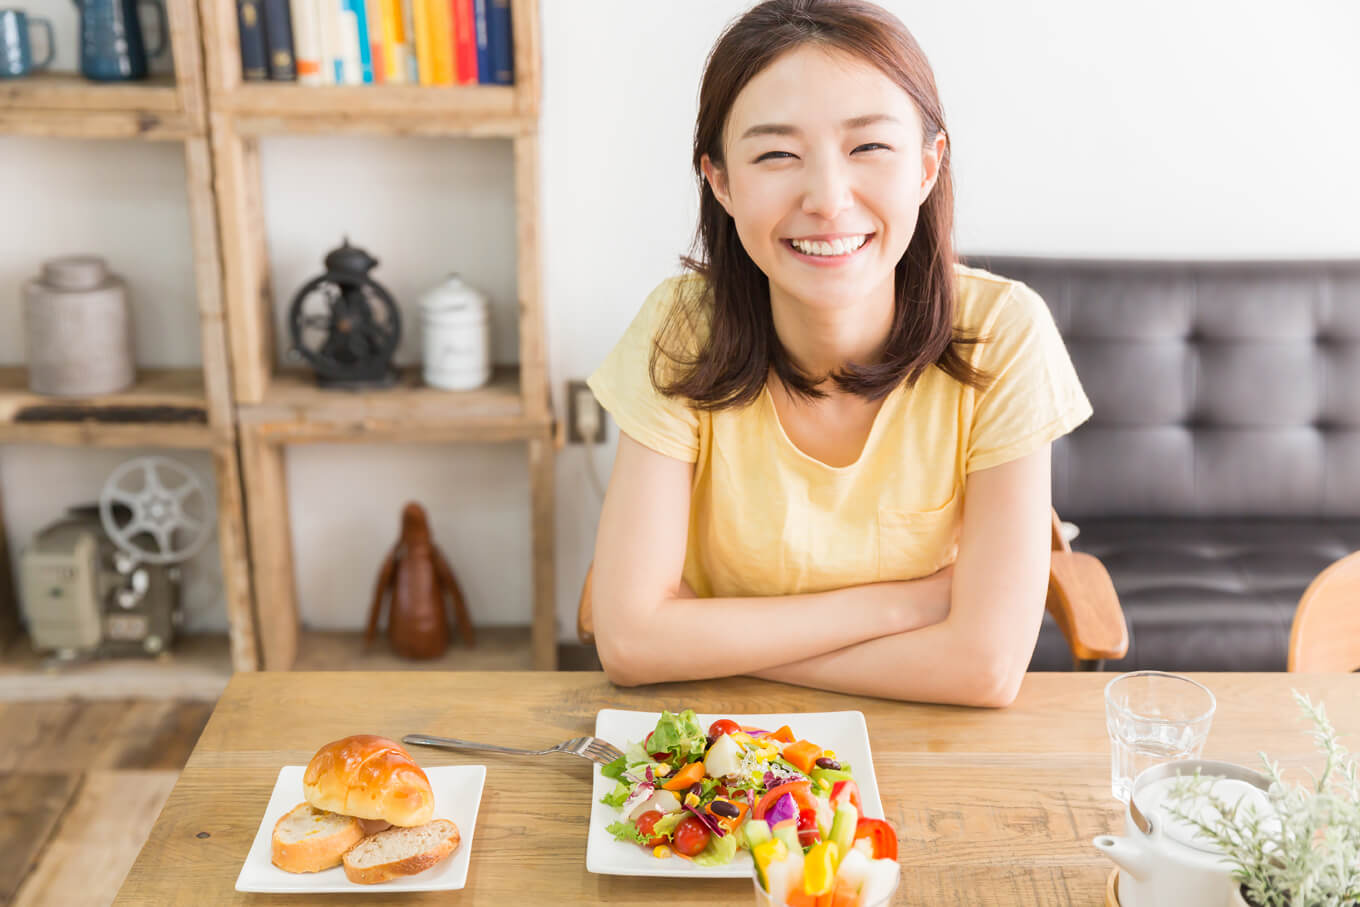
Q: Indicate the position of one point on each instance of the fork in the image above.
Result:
(593, 748)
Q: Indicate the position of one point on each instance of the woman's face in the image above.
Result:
(824, 175)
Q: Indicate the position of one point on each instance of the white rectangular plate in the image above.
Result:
(845, 733)
(457, 796)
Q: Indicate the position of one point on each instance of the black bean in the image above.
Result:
(832, 764)
(723, 808)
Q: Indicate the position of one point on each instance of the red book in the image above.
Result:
(464, 43)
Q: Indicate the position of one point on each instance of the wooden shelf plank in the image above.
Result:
(295, 409)
(165, 408)
(479, 110)
(116, 124)
(71, 91)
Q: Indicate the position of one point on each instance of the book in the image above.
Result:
(332, 42)
(500, 41)
(357, 54)
(278, 41)
(465, 43)
(395, 41)
(420, 12)
(306, 16)
(441, 40)
(373, 11)
(254, 67)
(480, 18)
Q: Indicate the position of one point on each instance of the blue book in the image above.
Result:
(254, 62)
(356, 7)
(483, 26)
(278, 40)
(498, 37)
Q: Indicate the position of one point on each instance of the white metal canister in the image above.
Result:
(78, 329)
(456, 336)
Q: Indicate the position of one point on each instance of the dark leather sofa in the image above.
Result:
(1221, 470)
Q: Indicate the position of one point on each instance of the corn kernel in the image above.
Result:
(661, 851)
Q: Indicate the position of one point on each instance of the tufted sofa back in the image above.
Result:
(1219, 389)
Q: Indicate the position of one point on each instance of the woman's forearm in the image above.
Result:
(685, 638)
(946, 662)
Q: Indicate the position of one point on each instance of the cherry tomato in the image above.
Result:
(808, 833)
(691, 836)
(645, 823)
(723, 726)
(880, 835)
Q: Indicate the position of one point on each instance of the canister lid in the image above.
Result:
(75, 272)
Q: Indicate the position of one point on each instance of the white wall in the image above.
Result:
(1216, 129)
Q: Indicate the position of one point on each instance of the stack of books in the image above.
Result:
(374, 42)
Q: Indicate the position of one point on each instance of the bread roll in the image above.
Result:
(401, 852)
(370, 778)
(308, 839)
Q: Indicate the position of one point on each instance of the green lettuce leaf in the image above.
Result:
(679, 735)
(719, 851)
(614, 769)
(626, 831)
(617, 798)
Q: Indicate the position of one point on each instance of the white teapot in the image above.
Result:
(1162, 861)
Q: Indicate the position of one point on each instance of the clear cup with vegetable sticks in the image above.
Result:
(844, 868)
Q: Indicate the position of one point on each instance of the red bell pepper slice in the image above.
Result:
(843, 791)
(880, 835)
(800, 790)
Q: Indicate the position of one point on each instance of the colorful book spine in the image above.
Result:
(373, 11)
(441, 40)
(482, 18)
(408, 12)
(278, 41)
(254, 67)
(332, 42)
(501, 51)
(356, 42)
(395, 41)
(424, 41)
(465, 43)
(306, 15)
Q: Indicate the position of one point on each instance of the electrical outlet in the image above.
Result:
(585, 415)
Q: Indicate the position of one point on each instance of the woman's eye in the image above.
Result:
(773, 156)
(871, 146)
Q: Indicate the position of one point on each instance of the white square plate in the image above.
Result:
(845, 733)
(457, 796)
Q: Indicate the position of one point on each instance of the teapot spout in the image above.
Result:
(1126, 853)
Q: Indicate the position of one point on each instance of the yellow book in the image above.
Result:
(441, 40)
(420, 10)
(394, 40)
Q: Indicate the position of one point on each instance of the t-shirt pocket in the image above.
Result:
(916, 543)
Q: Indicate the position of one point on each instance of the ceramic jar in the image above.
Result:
(78, 329)
(455, 336)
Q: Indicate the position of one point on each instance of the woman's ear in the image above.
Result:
(931, 158)
(717, 181)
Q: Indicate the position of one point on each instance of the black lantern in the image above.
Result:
(345, 323)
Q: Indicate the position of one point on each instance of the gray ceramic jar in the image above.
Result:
(78, 329)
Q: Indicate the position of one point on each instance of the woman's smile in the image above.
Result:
(829, 251)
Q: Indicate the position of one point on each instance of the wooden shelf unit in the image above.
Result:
(197, 403)
(275, 409)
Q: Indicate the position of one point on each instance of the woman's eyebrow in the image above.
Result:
(784, 129)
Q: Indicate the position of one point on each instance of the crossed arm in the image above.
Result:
(963, 635)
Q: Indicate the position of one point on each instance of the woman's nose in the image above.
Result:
(827, 192)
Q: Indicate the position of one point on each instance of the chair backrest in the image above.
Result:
(1220, 389)
(1326, 632)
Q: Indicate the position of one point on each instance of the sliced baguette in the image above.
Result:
(308, 839)
(401, 851)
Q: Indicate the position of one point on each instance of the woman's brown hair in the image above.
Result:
(728, 366)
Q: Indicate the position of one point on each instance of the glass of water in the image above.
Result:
(1153, 717)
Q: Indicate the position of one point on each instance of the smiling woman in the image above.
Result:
(834, 461)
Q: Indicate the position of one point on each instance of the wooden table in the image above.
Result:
(992, 807)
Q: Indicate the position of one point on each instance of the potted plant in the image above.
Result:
(1306, 851)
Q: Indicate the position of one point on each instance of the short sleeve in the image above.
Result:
(623, 385)
(1035, 395)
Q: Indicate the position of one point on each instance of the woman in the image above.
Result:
(833, 467)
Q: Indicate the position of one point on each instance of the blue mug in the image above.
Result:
(16, 50)
(111, 45)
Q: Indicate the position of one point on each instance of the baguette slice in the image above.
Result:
(401, 851)
(308, 839)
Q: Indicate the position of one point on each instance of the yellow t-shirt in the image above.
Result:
(767, 519)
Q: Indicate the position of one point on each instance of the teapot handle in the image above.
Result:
(162, 28)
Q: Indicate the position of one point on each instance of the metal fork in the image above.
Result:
(593, 748)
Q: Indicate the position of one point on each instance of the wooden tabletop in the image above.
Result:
(991, 807)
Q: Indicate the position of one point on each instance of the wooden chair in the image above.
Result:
(1326, 631)
(1081, 599)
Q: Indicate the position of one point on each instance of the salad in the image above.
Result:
(697, 792)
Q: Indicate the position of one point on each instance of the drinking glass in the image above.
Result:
(1153, 717)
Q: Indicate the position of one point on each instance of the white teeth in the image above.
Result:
(842, 246)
